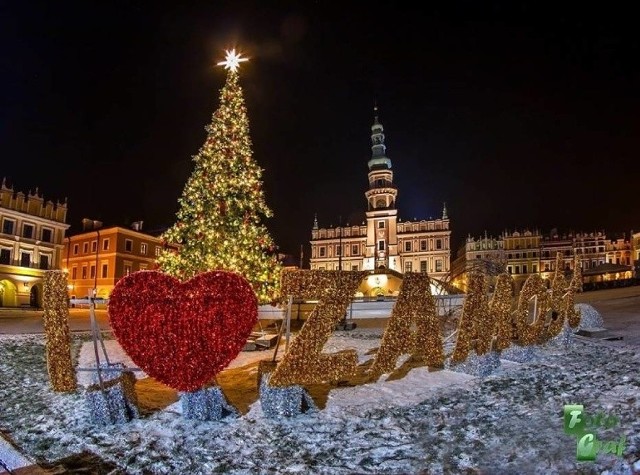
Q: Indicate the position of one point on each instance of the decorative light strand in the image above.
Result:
(304, 362)
(57, 335)
(501, 309)
(218, 223)
(476, 323)
(415, 307)
(183, 334)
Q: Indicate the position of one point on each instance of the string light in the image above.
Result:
(304, 362)
(57, 335)
(575, 286)
(476, 322)
(415, 307)
(533, 288)
(501, 309)
(218, 223)
(182, 334)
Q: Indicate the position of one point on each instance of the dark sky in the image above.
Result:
(515, 114)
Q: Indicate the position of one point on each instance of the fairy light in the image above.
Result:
(219, 219)
(304, 362)
(476, 322)
(414, 308)
(530, 333)
(57, 335)
(501, 309)
(182, 334)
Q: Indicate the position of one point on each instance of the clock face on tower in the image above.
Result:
(380, 203)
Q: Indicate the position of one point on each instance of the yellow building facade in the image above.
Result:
(31, 242)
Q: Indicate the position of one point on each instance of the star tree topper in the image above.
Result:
(232, 60)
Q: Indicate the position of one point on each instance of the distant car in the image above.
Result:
(85, 302)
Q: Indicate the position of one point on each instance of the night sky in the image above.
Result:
(514, 114)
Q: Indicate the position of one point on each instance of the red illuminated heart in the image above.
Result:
(182, 334)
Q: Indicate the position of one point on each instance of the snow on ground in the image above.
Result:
(427, 422)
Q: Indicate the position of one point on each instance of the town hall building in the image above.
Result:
(383, 243)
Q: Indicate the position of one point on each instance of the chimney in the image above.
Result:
(137, 225)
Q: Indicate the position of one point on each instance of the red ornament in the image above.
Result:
(182, 334)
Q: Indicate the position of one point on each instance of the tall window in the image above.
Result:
(355, 249)
(128, 245)
(438, 265)
(380, 224)
(44, 261)
(84, 272)
(380, 245)
(423, 245)
(158, 251)
(407, 246)
(338, 250)
(27, 230)
(75, 249)
(7, 226)
(105, 271)
(438, 243)
(105, 244)
(127, 269)
(85, 248)
(5, 256)
(25, 259)
(94, 246)
(46, 235)
(423, 267)
(74, 273)
(92, 273)
(143, 248)
(408, 266)
(323, 251)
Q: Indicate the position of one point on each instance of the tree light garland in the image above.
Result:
(218, 225)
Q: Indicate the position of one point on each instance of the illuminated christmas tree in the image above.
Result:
(220, 211)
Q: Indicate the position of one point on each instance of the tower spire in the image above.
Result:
(379, 159)
(315, 221)
(444, 211)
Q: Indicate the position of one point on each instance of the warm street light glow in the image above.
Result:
(232, 60)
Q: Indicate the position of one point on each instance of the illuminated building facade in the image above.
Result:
(525, 253)
(383, 243)
(635, 253)
(99, 257)
(31, 242)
